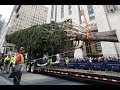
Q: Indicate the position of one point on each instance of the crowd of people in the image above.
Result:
(6, 63)
(96, 59)
(14, 64)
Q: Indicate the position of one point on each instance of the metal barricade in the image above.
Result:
(113, 66)
(97, 66)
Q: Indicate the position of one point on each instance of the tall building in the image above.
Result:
(107, 19)
(2, 25)
(101, 16)
(24, 16)
(0, 16)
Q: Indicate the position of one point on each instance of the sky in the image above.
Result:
(6, 10)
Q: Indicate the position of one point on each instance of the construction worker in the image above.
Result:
(19, 62)
(12, 62)
(50, 60)
(1, 64)
(66, 61)
(7, 63)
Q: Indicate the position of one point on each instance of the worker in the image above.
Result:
(7, 63)
(1, 64)
(19, 62)
(12, 62)
(66, 61)
(50, 60)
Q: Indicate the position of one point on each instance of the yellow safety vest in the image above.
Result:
(13, 59)
(50, 60)
(7, 59)
(67, 61)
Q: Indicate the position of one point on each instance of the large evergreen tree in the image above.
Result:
(41, 39)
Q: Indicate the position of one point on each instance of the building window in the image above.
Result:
(90, 12)
(52, 11)
(17, 16)
(62, 11)
(69, 10)
(80, 14)
(111, 8)
(117, 6)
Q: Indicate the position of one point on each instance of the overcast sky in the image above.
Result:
(6, 10)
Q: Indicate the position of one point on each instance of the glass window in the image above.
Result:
(62, 11)
(52, 10)
(80, 14)
(116, 7)
(90, 12)
(111, 8)
(69, 10)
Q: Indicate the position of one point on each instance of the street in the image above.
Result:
(4, 81)
(37, 79)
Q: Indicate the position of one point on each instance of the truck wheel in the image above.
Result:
(28, 68)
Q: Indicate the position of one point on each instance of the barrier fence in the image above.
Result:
(103, 66)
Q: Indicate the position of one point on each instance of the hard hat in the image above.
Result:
(22, 48)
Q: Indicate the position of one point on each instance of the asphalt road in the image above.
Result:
(37, 79)
(4, 81)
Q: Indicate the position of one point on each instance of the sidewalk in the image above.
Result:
(4, 81)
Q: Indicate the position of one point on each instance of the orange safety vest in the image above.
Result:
(22, 59)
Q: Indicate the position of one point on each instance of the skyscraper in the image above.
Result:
(0, 16)
(24, 16)
(103, 17)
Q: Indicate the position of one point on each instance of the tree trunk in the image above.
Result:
(110, 36)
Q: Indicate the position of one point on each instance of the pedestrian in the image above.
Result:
(19, 66)
(1, 64)
(7, 63)
(67, 62)
(12, 62)
(50, 60)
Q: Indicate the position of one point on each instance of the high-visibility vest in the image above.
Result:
(12, 60)
(7, 59)
(22, 59)
(50, 60)
(67, 61)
